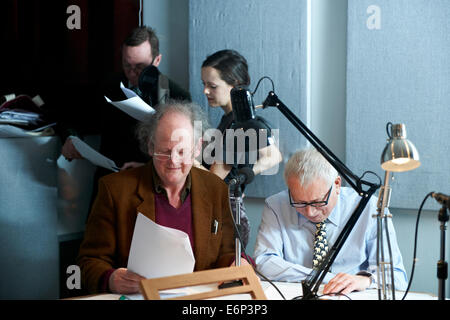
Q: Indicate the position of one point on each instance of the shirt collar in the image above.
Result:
(333, 217)
(158, 187)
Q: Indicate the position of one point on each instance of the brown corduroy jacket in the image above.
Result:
(121, 196)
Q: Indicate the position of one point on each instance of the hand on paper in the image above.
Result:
(69, 151)
(345, 283)
(129, 165)
(124, 282)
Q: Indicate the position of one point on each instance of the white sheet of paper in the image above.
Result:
(133, 106)
(158, 251)
(92, 155)
(128, 92)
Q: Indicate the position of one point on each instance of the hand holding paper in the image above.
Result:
(133, 106)
(93, 156)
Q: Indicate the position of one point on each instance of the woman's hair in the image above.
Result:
(232, 67)
(147, 128)
(308, 165)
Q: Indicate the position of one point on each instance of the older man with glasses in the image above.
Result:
(300, 224)
(169, 191)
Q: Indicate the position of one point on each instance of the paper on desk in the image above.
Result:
(158, 251)
(133, 106)
(93, 156)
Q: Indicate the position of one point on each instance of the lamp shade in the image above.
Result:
(399, 154)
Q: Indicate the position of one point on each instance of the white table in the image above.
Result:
(290, 290)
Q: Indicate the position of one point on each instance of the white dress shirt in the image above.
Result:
(285, 241)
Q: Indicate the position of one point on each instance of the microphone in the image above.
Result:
(242, 103)
(441, 198)
(244, 116)
(245, 176)
(148, 84)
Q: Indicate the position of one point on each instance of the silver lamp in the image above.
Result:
(398, 155)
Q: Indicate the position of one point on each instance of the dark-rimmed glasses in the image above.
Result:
(315, 204)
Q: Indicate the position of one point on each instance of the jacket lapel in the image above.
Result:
(202, 213)
(145, 192)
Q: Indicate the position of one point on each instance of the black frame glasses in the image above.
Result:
(315, 204)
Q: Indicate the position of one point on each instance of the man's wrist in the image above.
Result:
(368, 275)
(104, 280)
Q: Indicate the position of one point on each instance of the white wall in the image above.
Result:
(328, 70)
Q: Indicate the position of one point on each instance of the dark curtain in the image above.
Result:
(65, 67)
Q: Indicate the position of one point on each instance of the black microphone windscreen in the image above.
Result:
(148, 78)
(441, 198)
(248, 173)
(242, 104)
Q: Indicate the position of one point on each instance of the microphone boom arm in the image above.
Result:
(314, 279)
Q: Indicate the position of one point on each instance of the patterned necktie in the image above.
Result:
(320, 244)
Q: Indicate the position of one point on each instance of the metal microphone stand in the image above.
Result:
(236, 194)
(236, 191)
(382, 218)
(442, 264)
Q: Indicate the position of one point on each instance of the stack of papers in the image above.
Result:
(19, 117)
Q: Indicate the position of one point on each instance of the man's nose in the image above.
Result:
(308, 211)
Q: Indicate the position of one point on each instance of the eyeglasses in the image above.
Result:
(315, 204)
(137, 68)
(177, 155)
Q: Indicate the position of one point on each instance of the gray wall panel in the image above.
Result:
(400, 73)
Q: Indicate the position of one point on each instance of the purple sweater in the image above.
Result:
(168, 216)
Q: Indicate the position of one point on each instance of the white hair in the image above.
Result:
(308, 165)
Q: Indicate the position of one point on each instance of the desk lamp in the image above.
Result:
(398, 155)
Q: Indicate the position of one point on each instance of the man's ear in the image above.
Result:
(157, 60)
(337, 184)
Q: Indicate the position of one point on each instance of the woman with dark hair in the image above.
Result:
(221, 72)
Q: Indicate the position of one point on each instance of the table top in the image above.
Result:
(290, 290)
